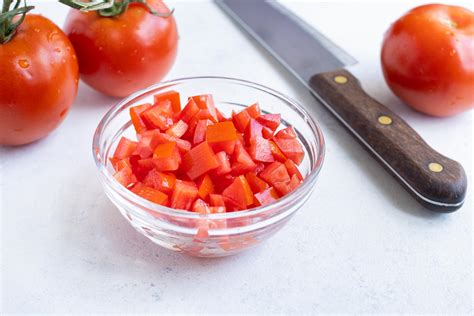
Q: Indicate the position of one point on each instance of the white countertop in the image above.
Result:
(360, 244)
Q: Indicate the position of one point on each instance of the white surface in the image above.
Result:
(361, 244)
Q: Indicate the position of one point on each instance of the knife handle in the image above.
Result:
(436, 181)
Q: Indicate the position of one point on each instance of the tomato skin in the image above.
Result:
(427, 59)
(125, 53)
(38, 81)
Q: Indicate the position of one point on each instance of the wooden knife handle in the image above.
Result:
(436, 181)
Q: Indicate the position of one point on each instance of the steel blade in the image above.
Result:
(299, 47)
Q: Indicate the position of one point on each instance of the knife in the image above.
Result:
(435, 181)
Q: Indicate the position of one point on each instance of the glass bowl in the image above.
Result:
(225, 233)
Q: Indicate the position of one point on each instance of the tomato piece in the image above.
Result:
(253, 130)
(292, 169)
(183, 145)
(241, 120)
(152, 195)
(199, 160)
(159, 116)
(242, 162)
(274, 173)
(205, 187)
(178, 129)
(271, 121)
(206, 102)
(201, 207)
(222, 182)
(189, 111)
(184, 194)
(122, 163)
(124, 148)
(259, 168)
(288, 132)
(239, 193)
(283, 188)
(125, 176)
(216, 200)
(253, 110)
(171, 96)
(166, 157)
(200, 131)
(205, 115)
(163, 182)
(222, 136)
(260, 149)
(291, 148)
(256, 184)
(224, 164)
(147, 143)
(135, 115)
(141, 167)
(266, 197)
(221, 117)
(276, 152)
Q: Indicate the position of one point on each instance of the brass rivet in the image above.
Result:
(385, 120)
(435, 167)
(340, 79)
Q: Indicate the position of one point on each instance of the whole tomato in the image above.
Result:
(121, 54)
(428, 59)
(38, 81)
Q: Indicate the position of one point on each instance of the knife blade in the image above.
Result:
(437, 182)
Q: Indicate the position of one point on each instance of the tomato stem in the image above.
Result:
(8, 21)
(110, 8)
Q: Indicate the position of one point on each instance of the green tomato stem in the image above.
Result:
(8, 23)
(110, 8)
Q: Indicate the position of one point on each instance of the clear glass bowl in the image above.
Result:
(227, 233)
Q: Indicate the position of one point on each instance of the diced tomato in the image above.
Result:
(183, 196)
(205, 115)
(260, 150)
(172, 96)
(120, 163)
(271, 121)
(205, 187)
(125, 176)
(141, 167)
(222, 137)
(242, 162)
(222, 182)
(178, 129)
(274, 173)
(200, 131)
(147, 144)
(288, 132)
(239, 193)
(199, 160)
(293, 169)
(206, 101)
(159, 115)
(124, 148)
(285, 188)
(224, 164)
(152, 195)
(266, 197)
(221, 117)
(267, 132)
(163, 182)
(253, 110)
(241, 120)
(254, 129)
(183, 145)
(135, 115)
(189, 111)
(259, 168)
(216, 200)
(256, 184)
(276, 152)
(291, 148)
(166, 157)
(201, 207)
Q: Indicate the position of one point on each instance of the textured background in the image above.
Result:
(361, 243)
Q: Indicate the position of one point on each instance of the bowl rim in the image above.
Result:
(143, 204)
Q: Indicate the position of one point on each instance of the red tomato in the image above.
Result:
(38, 81)
(121, 54)
(428, 59)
